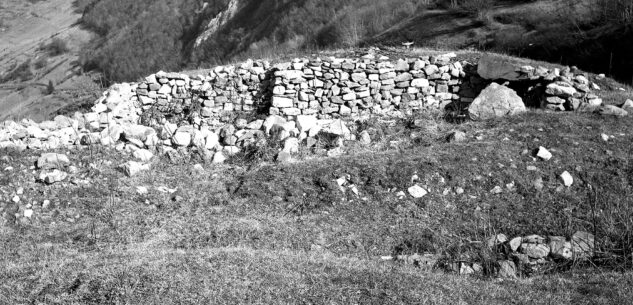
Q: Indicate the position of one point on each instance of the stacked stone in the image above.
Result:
(333, 87)
(530, 253)
(571, 92)
(223, 89)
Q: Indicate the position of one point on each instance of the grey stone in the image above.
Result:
(507, 269)
(52, 161)
(496, 101)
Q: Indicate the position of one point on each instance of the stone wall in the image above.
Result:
(220, 111)
(326, 88)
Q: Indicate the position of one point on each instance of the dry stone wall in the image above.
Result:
(326, 88)
(229, 107)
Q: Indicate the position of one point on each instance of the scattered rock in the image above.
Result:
(515, 243)
(507, 269)
(535, 250)
(456, 136)
(141, 190)
(560, 248)
(417, 192)
(497, 240)
(567, 179)
(612, 111)
(54, 176)
(132, 168)
(52, 161)
(219, 157)
(284, 157)
(583, 245)
(143, 154)
(543, 153)
(364, 138)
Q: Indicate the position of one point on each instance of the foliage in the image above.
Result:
(19, 73)
(57, 46)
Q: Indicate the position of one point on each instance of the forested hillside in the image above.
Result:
(135, 38)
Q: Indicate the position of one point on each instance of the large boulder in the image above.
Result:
(494, 67)
(496, 101)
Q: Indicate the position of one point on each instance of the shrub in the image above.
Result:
(57, 46)
(20, 73)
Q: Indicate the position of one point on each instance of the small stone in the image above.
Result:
(284, 157)
(497, 240)
(507, 269)
(612, 111)
(46, 203)
(20, 191)
(417, 192)
(16, 199)
(583, 245)
(28, 213)
(604, 137)
(459, 190)
(143, 155)
(560, 248)
(52, 161)
(132, 168)
(496, 190)
(534, 239)
(532, 168)
(365, 138)
(50, 177)
(535, 250)
(456, 136)
(466, 270)
(567, 179)
(543, 153)
(141, 190)
(538, 184)
(198, 168)
(219, 157)
(515, 243)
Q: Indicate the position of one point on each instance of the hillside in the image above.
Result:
(39, 44)
(587, 33)
(103, 40)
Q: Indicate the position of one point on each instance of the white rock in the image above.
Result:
(417, 192)
(306, 122)
(28, 213)
(132, 168)
(198, 168)
(52, 160)
(219, 157)
(141, 190)
(16, 199)
(543, 153)
(50, 177)
(604, 137)
(212, 141)
(143, 155)
(566, 178)
(181, 138)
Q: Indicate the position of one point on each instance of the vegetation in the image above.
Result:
(57, 46)
(271, 233)
(18, 73)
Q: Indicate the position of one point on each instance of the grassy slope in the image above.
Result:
(267, 233)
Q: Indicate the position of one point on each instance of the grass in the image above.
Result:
(273, 233)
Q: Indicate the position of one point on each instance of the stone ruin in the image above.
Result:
(222, 110)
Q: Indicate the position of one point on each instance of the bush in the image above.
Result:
(56, 47)
(20, 73)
